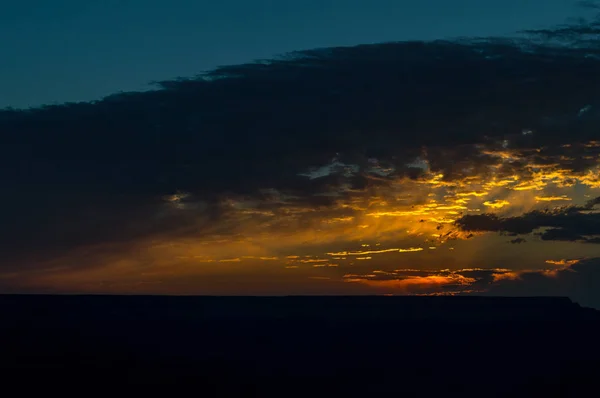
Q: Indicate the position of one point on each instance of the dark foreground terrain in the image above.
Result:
(298, 346)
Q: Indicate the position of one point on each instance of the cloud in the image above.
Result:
(571, 223)
(245, 127)
(580, 33)
(579, 281)
(574, 278)
(428, 281)
(389, 142)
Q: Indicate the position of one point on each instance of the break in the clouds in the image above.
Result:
(447, 167)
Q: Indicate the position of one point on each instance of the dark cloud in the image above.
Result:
(244, 127)
(98, 172)
(593, 202)
(579, 32)
(570, 223)
(589, 4)
(518, 240)
(578, 281)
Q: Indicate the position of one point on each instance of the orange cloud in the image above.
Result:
(412, 284)
(563, 262)
(403, 216)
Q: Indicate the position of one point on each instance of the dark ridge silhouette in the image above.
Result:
(292, 346)
(215, 308)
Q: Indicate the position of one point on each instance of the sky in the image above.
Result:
(68, 50)
(422, 168)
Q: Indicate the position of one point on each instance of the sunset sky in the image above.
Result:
(426, 167)
(73, 50)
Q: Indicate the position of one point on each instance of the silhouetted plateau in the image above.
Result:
(294, 346)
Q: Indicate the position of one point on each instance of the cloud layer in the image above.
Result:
(331, 163)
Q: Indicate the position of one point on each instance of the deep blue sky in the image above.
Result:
(74, 50)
